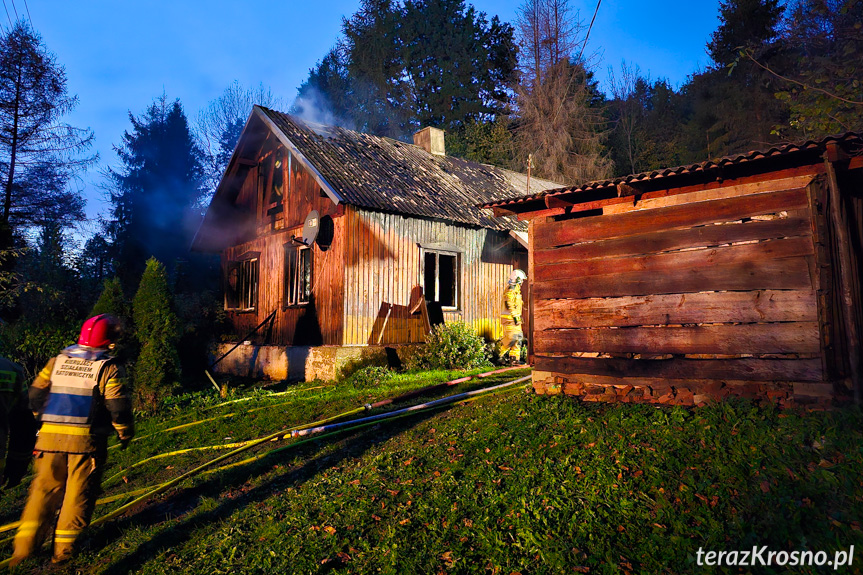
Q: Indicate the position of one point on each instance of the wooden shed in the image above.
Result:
(398, 226)
(740, 276)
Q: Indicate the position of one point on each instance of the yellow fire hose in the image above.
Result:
(127, 494)
(148, 493)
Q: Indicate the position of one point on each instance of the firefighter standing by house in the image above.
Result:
(17, 425)
(511, 318)
(81, 398)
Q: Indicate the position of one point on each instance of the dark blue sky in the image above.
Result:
(120, 55)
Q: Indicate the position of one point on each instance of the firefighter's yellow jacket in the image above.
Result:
(81, 398)
(512, 303)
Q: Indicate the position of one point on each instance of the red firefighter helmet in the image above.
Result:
(99, 331)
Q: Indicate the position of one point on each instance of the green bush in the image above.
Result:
(32, 346)
(452, 345)
(157, 369)
(112, 300)
(369, 377)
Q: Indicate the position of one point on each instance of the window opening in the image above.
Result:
(298, 274)
(241, 291)
(441, 277)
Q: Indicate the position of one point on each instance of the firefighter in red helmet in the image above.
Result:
(81, 398)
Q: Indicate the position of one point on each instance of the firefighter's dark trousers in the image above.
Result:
(70, 481)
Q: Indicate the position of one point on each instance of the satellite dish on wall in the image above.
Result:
(311, 227)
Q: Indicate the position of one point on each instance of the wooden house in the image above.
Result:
(399, 225)
(740, 276)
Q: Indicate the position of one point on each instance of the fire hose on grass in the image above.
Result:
(321, 426)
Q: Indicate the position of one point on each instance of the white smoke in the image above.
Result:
(313, 109)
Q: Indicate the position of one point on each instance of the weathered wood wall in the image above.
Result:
(383, 265)
(320, 321)
(362, 285)
(686, 297)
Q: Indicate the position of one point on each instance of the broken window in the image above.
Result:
(272, 179)
(298, 274)
(441, 277)
(241, 285)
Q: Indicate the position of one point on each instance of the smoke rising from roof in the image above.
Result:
(312, 108)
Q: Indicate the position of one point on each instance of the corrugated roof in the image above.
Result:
(852, 139)
(384, 174)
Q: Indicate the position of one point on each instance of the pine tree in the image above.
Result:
(157, 369)
(38, 152)
(156, 192)
(402, 66)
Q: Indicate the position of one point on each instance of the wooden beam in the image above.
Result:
(791, 337)
(784, 274)
(847, 296)
(740, 369)
(671, 240)
(679, 262)
(684, 216)
(675, 309)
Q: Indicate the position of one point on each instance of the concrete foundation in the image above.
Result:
(296, 363)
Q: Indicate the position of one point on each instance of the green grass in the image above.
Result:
(508, 483)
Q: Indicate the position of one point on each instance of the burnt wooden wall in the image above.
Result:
(320, 321)
(362, 285)
(383, 265)
(686, 297)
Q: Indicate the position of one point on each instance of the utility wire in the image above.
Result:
(586, 36)
(580, 54)
(14, 9)
(28, 15)
(7, 14)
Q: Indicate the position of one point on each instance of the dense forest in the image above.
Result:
(511, 94)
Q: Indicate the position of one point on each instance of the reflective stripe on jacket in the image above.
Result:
(81, 400)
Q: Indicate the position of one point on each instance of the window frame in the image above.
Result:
(457, 273)
(248, 283)
(293, 294)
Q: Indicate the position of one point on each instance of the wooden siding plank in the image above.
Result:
(677, 368)
(685, 216)
(784, 274)
(678, 196)
(710, 307)
(670, 240)
(797, 337)
(680, 262)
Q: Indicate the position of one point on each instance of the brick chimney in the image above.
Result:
(431, 140)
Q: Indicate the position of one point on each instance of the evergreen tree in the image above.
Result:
(38, 152)
(402, 66)
(157, 369)
(156, 192)
(822, 83)
(459, 64)
(112, 300)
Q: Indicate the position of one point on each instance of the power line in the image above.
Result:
(14, 9)
(586, 36)
(7, 15)
(28, 14)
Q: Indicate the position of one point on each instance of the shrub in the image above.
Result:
(112, 300)
(32, 346)
(369, 377)
(452, 345)
(157, 369)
